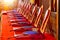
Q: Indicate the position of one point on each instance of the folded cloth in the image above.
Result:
(19, 18)
(17, 14)
(30, 32)
(11, 17)
(20, 36)
(14, 21)
(23, 23)
(24, 27)
(27, 27)
(16, 28)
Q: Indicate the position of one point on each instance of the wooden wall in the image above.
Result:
(51, 26)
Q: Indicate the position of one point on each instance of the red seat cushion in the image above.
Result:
(49, 37)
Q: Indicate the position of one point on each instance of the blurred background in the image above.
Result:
(14, 4)
(8, 4)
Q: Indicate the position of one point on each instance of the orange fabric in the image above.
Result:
(6, 28)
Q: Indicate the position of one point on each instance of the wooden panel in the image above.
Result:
(51, 26)
(45, 4)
